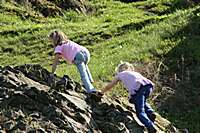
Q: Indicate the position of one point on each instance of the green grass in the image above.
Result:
(147, 31)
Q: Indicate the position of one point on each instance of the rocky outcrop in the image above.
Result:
(32, 101)
(54, 7)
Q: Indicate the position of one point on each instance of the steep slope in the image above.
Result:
(31, 101)
(148, 30)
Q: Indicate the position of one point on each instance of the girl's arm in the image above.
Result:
(55, 62)
(110, 85)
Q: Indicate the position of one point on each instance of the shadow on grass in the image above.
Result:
(165, 7)
(180, 95)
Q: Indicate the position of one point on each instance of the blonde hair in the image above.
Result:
(124, 66)
(58, 37)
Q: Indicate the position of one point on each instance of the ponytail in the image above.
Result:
(58, 37)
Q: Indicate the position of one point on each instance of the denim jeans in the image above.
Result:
(143, 109)
(81, 59)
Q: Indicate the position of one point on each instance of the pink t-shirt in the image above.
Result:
(133, 80)
(69, 50)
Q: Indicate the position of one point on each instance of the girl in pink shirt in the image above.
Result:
(139, 89)
(73, 54)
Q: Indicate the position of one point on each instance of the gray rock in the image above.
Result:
(30, 103)
(8, 125)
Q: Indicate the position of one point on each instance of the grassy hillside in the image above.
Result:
(160, 37)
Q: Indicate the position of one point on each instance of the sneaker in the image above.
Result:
(152, 117)
(100, 94)
(152, 130)
(95, 96)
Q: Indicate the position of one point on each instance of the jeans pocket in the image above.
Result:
(86, 56)
(79, 58)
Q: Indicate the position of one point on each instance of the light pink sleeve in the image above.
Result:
(58, 49)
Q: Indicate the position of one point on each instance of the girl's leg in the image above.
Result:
(89, 74)
(79, 62)
(84, 77)
(140, 101)
(148, 109)
(87, 59)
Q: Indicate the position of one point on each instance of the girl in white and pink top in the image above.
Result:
(73, 54)
(139, 89)
(68, 50)
(132, 81)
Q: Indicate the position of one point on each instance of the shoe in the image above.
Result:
(152, 130)
(94, 95)
(152, 117)
(100, 94)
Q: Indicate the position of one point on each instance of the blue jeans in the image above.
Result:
(81, 59)
(143, 109)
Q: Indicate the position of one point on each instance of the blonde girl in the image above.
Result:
(73, 53)
(139, 89)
